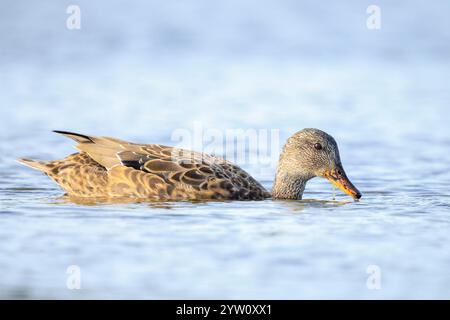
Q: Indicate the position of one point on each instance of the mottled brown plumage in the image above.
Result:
(111, 168)
(115, 169)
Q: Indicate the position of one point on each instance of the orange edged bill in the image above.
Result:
(339, 179)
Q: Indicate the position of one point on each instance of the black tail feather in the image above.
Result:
(80, 138)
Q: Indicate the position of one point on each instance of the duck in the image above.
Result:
(110, 168)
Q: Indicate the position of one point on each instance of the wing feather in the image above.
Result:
(163, 172)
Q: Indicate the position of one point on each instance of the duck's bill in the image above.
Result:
(340, 180)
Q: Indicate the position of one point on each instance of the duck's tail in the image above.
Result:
(35, 164)
(46, 166)
(80, 138)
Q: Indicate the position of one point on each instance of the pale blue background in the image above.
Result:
(139, 70)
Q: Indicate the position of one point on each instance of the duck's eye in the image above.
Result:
(318, 146)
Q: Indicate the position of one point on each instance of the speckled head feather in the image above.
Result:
(112, 168)
(307, 154)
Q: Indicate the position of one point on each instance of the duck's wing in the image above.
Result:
(199, 175)
(171, 170)
(102, 149)
(110, 152)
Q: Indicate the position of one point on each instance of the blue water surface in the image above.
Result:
(142, 70)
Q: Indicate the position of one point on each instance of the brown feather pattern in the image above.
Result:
(112, 168)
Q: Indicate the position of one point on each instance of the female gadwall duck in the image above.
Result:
(112, 168)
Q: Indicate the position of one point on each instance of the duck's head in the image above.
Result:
(307, 154)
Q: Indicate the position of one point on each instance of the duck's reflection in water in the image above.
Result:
(66, 199)
(288, 205)
(294, 206)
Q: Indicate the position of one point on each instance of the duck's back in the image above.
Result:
(112, 168)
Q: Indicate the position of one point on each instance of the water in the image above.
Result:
(141, 72)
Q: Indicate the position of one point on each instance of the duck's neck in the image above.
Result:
(287, 186)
